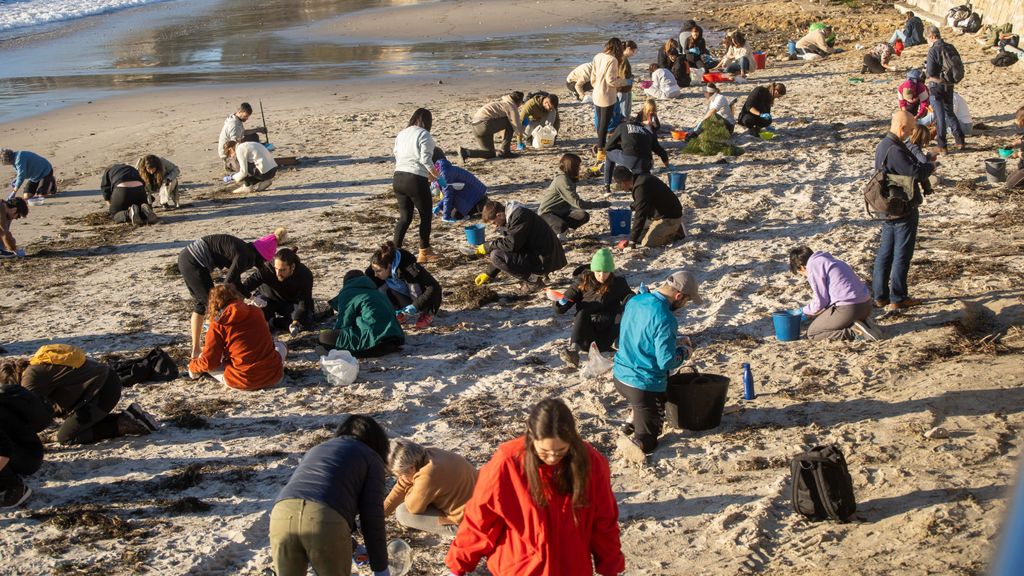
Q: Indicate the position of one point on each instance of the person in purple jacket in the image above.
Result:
(463, 195)
(841, 307)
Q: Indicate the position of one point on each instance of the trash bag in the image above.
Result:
(597, 364)
(339, 367)
(399, 557)
(544, 137)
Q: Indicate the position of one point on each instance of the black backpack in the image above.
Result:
(822, 487)
(952, 65)
(1004, 58)
(155, 366)
(972, 24)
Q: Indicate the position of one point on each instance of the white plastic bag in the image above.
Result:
(597, 364)
(399, 557)
(339, 367)
(544, 137)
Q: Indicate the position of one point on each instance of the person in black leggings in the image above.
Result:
(414, 170)
(125, 194)
(22, 417)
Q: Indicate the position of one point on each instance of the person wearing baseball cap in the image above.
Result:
(649, 349)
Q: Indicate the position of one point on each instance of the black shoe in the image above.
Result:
(508, 155)
(142, 416)
(628, 429)
(570, 355)
(15, 495)
(463, 153)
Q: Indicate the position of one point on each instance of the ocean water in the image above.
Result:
(21, 14)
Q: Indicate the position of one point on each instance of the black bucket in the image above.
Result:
(695, 401)
(995, 170)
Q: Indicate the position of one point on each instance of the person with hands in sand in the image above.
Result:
(256, 166)
(23, 415)
(412, 290)
(415, 154)
(314, 516)
(284, 291)
(524, 246)
(561, 207)
(912, 94)
(234, 130)
(160, 178)
(543, 506)
(841, 306)
(366, 325)
(10, 210)
(200, 258)
(599, 296)
(462, 194)
(578, 81)
(499, 116)
(657, 212)
(125, 196)
(539, 109)
(33, 174)
(239, 350)
(756, 114)
(432, 489)
(649, 350)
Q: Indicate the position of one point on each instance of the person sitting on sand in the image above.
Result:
(432, 489)
(648, 116)
(23, 415)
(412, 290)
(912, 33)
(125, 195)
(737, 60)
(657, 213)
(756, 114)
(578, 81)
(912, 95)
(366, 325)
(671, 59)
(876, 61)
(841, 304)
(284, 292)
(314, 515)
(462, 194)
(695, 49)
(160, 179)
(815, 42)
(494, 117)
(235, 131)
(11, 210)
(79, 390)
(238, 351)
(663, 83)
(632, 145)
(546, 486)
(524, 246)
(200, 258)
(649, 350)
(561, 207)
(33, 174)
(539, 109)
(256, 167)
(599, 296)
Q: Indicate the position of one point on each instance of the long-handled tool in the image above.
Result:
(266, 134)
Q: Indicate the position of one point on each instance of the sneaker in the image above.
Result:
(868, 331)
(464, 154)
(242, 190)
(881, 303)
(628, 429)
(425, 319)
(149, 214)
(139, 414)
(7, 254)
(135, 216)
(508, 155)
(570, 355)
(903, 304)
(15, 495)
(129, 425)
(261, 186)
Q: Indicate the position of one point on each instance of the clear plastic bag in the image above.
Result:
(339, 367)
(597, 364)
(399, 557)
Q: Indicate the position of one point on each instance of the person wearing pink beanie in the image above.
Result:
(266, 246)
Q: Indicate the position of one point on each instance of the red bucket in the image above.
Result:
(760, 60)
(716, 77)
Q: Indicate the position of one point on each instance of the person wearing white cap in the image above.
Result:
(650, 349)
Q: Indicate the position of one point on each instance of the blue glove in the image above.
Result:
(696, 128)
(799, 312)
(563, 301)
(409, 310)
(437, 209)
(694, 51)
(766, 116)
(642, 289)
(20, 252)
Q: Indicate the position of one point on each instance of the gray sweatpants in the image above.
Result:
(428, 521)
(835, 322)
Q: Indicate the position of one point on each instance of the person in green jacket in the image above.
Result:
(366, 324)
(561, 207)
(540, 108)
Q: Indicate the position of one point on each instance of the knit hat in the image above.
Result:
(602, 261)
(266, 246)
(914, 75)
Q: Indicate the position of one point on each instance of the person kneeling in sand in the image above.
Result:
(284, 292)
(462, 194)
(841, 306)
(33, 174)
(125, 195)
(160, 178)
(432, 489)
(540, 109)
(412, 290)
(524, 246)
(239, 351)
(663, 83)
(366, 324)
(11, 210)
(657, 213)
(599, 297)
(234, 130)
(649, 350)
(256, 167)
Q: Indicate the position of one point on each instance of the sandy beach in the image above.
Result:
(195, 497)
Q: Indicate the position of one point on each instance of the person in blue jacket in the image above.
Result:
(649, 349)
(462, 194)
(33, 174)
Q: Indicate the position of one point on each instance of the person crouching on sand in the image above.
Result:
(256, 167)
(160, 178)
(462, 194)
(841, 306)
(524, 246)
(432, 489)
(412, 290)
(366, 325)
(11, 210)
(284, 291)
(125, 195)
(599, 296)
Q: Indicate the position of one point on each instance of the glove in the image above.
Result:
(766, 116)
(359, 556)
(409, 310)
(564, 301)
(621, 245)
(228, 179)
(482, 279)
(696, 128)
(642, 289)
(799, 312)
(20, 252)
(694, 51)
(259, 301)
(481, 250)
(295, 328)
(437, 209)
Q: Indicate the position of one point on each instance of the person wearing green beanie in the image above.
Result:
(599, 296)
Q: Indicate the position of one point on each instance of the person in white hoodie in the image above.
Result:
(663, 83)
(414, 171)
(606, 79)
(493, 117)
(234, 129)
(256, 167)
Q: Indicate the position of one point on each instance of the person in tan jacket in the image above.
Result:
(432, 489)
(606, 79)
(493, 117)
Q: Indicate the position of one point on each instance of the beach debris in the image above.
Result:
(937, 433)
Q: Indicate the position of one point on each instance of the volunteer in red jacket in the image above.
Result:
(542, 506)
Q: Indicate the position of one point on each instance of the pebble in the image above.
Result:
(937, 433)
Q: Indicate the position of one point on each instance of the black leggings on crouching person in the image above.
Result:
(122, 198)
(589, 328)
(873, 64)
(92, 421)
(412, 192)
(255, 176)
(197, 279)
(571, 221)
(329, 340)
(753, 123)
(648, 414)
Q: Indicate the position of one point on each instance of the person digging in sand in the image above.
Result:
(561, 207)
(160, 179)
(256, 166)
(756, 114)
(412, 290)
(125, 196)
(539, 109)
(284, 291)
(432, 489)
(234, 130)
(500, 116)
(599, 296)
(366, 325)
(462, 194)
(632, 145)
(657, 213)
(23, 415)
(841, 306)
(524, 246)
(11, 210)
(33, 174)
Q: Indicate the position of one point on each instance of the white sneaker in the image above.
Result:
(242, 190)
(868, 330)
(135, 216)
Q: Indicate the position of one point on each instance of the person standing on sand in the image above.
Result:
(599, 297)
(629, 48)
(524, 246)
(234, 130)
(657, 212)
(414, 171)
(940, 88)
(500, 116)
(841, 307)
(11, 210)
(543, 505)
(432, 489)
(899, 235)
(125, 195)
(33, 174)
(256, 166)
(606, 79)
(649, 350)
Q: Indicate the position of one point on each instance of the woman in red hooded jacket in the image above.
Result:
(542, 506)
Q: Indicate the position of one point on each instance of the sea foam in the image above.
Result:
(15, 14)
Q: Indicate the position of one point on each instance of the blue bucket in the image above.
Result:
(619, 220)
(677, 181)
(787, 326)
(475, 234)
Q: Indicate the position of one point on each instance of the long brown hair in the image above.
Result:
(570, 164)
(615, 48)
(589, 283)
(551, 418)
(920, 136)
(11, 371)
(156, 179)
(220, 297)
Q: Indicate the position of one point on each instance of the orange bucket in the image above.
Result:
(679, 134)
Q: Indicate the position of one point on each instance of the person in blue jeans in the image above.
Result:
(896, 247)
(941, 91)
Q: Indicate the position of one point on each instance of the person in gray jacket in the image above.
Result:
(561, 207)
(235, 130)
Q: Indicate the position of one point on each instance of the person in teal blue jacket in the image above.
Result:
(649, 349)
(366, 324)
(33, 174)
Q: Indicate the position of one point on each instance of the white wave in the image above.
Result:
(24, 13)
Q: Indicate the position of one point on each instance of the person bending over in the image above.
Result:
(160, 178)
(432, 489)
(23, 415)
(663, 83)
(414, 293)
(539, 109)
(841, 304)
(366, 325)
(284, 292)
(912, 94)
(125, 195)
(462, 194)
(33, 174)
(234, 130)
(599, 296)
(756, 114)
(632, 145)
(494, 117)
(524, 246)
(11, 210)
(657, 213)
(256, 167)
(578, 81)
(648, 116)
(718, 105)
(815, 42)
(876, 61)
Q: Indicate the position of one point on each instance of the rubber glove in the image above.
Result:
(694, 51)
(482, 279)
(259, 301)
(227, 179)
(766, 116)
(20, 252)
(642, 289)
(437, 209)
(564, 301)
(481, 250)
(295, 328)
(409, 310)
(360, 557)
(621, 245)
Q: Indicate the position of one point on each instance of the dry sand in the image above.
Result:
(195, 497)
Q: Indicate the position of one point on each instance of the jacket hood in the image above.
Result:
(237, 313)
(510, 208)
(358, 284)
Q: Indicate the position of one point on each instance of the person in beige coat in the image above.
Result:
(498, 116)
(159, 178)
(606, 79)
(432, 489)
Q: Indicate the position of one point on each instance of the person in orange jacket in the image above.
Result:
(542, 506)
(239, 350)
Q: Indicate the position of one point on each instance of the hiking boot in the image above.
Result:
(630, 450)
(142, 416)
(601, 155)
(464, 154)
(129, 425)
(426, 255)
(149, 214)
(867, 330)
(881, 303)
(570, 355)
(15, 495)
(508, 155)
(425, 319)
(244, 189)
(904, 304)
(628, 429)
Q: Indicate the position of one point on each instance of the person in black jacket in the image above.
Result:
(695, 49)
(22, 416)
(599, 297)
(940, 90)
(205, 255)
(285, 292)
(756, 114)
(314, 515)
(524, 247)
(632, 145)
(125, 195)
(657, 213)
(413, 291)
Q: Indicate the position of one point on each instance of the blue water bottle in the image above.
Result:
(748, 383)
(791, 48)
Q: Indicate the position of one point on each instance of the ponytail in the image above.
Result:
(384, 256)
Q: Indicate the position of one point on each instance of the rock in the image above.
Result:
(937, 433)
